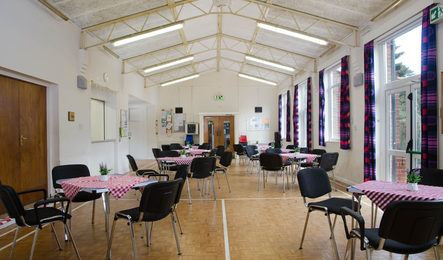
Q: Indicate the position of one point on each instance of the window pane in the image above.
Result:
(398, 121)
(302, 115)
(398, 168)
(335, 113)
(97, 120)
(404, 55)
(416, 117)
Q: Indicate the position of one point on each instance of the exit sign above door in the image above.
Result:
(219, 97)
(436, 14)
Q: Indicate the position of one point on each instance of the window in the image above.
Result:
(97, 120)
(302, 114)
(283, 115)
(332, 103)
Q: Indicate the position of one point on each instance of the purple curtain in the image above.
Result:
(429, 96)
(309, 115)
(321, 113)
(279, 114)
(345, 106)
(288, 116)
(369, 136)
(295, 115)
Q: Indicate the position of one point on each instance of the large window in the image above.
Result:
(332, 103)
(283, 115)
(302, 114)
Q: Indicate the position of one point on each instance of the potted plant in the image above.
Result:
(183, 153)
(413, 178)
(104, 171)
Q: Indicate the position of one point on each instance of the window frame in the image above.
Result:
(329, 87)
(103, 103)
(284, 97)
(302, 114)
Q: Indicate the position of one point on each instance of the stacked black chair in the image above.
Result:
(328, 162)
(74, 171)
(157, 202)
(240, 151)
(317, 161)
(175, 146)
(203, 168)
(205, 146)
(166, 147)
(169, 166)
(407, 227)
(219, 150)
(314, 183)
(252, 154)
(36, 217)
(225, 162)
(271, 162)
(431, 177)
(304, 150)
(290, 147)
(139, 172)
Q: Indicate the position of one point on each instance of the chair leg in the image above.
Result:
(213, 187)
(147, 234)
(111, 236)
(178, 221)
(259, 175)
(334, 244)
(368, 254)
(348, 246)
(304, 229)
(73, 242)
(37, 229)
(56, 237)
(227, 181)
(189, 191)
(175, 234)
(150, 233)
(14, 242)
(436, 253)
(406, 257)
(333, 226)
(218, 181)
(93, 212)
(134, 252)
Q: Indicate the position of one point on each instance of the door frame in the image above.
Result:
(202, 123)
(52, 119)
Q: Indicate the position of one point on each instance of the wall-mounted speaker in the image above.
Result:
(258, 109)
(82, 83)
(179, 110)
(358, 79)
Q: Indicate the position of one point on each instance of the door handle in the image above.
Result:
(22, 139)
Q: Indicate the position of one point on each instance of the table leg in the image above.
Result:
(106, 209)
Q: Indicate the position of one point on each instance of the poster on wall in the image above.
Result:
(257, 123)
(166, 121)
(178, 123)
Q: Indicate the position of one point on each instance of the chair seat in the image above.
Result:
(394, 246)
(334, 204)
(134, 213)
(83, 196)
(306, 165)
(220, 169)
(48, 214)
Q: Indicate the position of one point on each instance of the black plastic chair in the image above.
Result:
(157, 154)
(168, 166)
(74, 171)
(304, 150)
(328, 162)
(40, 214)
(314, 183)
(407, 227)
(205, 146)
(225, 162)
(157, 202)
(252, 155)
(219, 150)
(271, 162)
(203, 168)
(317, 161)
(139, 172)
(240, 151)
(431, 177)
(176, 146)
(166, 147)
(290, 147)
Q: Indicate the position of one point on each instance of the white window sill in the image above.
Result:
(333, 141)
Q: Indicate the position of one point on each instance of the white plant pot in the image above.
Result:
(412, 187)
(183, 156)
(104, 177)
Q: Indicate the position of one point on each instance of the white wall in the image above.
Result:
(240, 97)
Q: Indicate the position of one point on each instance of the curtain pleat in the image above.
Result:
(321, 114)
(295, 115)
(345, 106)
(369, 128)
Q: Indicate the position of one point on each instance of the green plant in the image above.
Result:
(297, 149)
(183, 152)
(413, 177)
(104, 169)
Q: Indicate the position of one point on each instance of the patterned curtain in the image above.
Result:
(288, 116)
(295, 115)
(345, 106)
(369, 136)
(429, 96)
(321, 113)
(279, 114)
(309, 115)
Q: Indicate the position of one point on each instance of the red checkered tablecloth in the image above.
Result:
(198, 151)
(178, 160)
(382, 193)
(309, 157)
(117, 185)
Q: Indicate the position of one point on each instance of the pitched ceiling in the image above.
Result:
(218, 33)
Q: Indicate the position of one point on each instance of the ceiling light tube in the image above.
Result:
(292, 33)
(179, 80)
(270, 63)
(257, 79)
(168, 64)
(148, 34)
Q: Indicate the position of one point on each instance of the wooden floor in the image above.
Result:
(265, 224)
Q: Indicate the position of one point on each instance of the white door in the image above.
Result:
(138, 132)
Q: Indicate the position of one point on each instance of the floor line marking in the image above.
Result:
(225, 231)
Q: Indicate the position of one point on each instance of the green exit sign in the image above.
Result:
(436, 14)
(219, 97)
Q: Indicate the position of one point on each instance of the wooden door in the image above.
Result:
(217, 124)
(23, 162)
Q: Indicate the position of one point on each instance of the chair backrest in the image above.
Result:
(204, 146)
(181, 173)
(313, 182)
(271, 162)
(202, 167)
(412, 222)
(132, 163)
(318, 151)
(290, 147)
(156, 152)
(304, 150)
(431, 177)
(238, 148)
(169, 154)
(12, 203)
(158, 199)
(166, 147)
(219, 150)
(249, 150)
(226, 159)
(176, 146)
(328, 161)
(68, 171)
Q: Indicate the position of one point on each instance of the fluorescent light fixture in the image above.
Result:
(269, 63)
(257, 79)
(292, 33)
(148, 34)
(179, 80)
(168, 64)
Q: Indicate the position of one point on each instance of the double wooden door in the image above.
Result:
(219, 131)
(23, 150)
